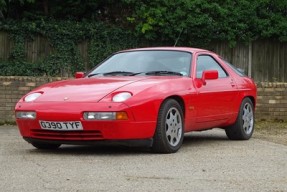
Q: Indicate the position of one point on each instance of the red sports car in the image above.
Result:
(147, 96)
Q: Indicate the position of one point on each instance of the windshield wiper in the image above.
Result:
(127, 73)
(124, 73)
(93, 74)
(163, 73)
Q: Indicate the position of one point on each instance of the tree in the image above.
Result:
(196, 21)
(204, 21)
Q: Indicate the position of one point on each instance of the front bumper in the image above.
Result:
(93, 130)
(128, 143)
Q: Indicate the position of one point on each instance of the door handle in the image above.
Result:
(232, 83)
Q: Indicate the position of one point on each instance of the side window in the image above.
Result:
(206, 62)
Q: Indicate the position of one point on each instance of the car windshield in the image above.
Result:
(152, 62)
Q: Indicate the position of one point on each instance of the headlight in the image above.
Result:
(32, 97)
(120, 97)
(26, 115)
(105, 115)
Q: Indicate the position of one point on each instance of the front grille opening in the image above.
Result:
(67, 135)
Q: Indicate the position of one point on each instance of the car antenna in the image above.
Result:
(178, 37)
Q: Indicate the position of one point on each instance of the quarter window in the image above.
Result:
(206, 62)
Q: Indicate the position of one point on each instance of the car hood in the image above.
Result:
(84, 90)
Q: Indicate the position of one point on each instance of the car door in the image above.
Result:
(214, 100)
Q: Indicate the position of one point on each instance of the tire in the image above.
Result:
(169, 132)
(243, 127)
(46, 146)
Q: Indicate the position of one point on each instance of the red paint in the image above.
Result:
(79, 75)
(208, 102)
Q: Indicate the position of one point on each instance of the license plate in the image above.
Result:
(61, 126)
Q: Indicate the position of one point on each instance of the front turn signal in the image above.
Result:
(121, 116)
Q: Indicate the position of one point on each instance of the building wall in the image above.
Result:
(271, 100)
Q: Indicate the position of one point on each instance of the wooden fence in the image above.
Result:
(263, 60)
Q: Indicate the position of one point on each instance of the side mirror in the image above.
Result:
(209, 75)
(79, 75)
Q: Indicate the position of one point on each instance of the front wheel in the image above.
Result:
(170, 128)
(45, 146)
(243, 128)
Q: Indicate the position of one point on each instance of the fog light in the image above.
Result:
(25, 115)
(105, 116)
(99, 115)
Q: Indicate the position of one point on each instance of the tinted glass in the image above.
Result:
(236, 70)
(146, 61)
(206, 62)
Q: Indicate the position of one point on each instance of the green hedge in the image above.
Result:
(63, 36)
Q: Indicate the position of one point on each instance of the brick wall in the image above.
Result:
(12, 89)
(271, 101)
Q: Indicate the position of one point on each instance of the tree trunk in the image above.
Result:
(46, 7)
(1, 15)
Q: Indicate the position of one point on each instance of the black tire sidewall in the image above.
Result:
(162, 123)
(240, 121)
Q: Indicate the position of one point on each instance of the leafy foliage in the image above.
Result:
(63, 37)
(200, 21)
(110, 25)
(203, 21)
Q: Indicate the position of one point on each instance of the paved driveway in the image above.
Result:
(206, 162)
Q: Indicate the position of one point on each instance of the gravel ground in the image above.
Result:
(275, 132)
(207, 161)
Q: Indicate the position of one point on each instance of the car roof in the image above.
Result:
(186, 49)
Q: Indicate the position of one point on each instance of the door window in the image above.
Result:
(206, 62)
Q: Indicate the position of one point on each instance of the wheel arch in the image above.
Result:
(252, 100)
(180, 101)
(163, 142)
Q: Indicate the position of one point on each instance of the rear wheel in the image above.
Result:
(243, 128)
(170, 128)
(46, 145)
